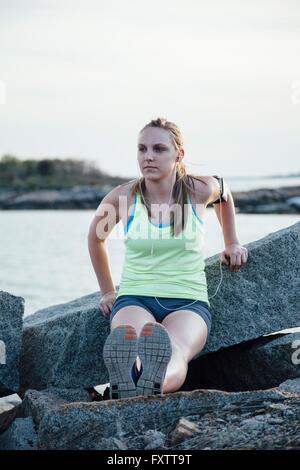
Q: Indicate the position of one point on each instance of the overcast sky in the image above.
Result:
(80, 78)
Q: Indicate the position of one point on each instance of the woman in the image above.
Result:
(160, 318)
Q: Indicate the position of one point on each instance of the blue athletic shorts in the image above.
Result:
(149, 303)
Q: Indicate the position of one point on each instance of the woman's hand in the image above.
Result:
(106, 302)
(234, 256)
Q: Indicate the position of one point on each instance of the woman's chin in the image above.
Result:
(151, 176)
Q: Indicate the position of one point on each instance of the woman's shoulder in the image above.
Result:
(118, 195)
(202, 179)
(204, 186)
(127, 190)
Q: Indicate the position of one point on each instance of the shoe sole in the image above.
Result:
(119, 355)
(154, 350)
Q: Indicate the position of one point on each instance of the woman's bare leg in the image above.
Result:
(188, 334)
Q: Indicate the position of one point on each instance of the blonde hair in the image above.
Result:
(183, 181)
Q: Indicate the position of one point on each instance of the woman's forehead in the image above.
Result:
(154, 136)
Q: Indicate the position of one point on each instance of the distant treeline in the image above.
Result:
(51, 174)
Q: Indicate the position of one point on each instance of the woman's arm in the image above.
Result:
(234, 254)
(100, 261)
(107, 216)
(225, 212)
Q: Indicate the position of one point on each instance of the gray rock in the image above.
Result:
(70, 395)
(263, 297)
(251, 424)
(267, 200)
(292, 386)
(62, 344)
(276, 427)
(294, 202)
(275, 421)
(88, 197)
(154, 439)
(36, 404)
(84, 197)
(9, 408)
(111, 443)
(252, 365)
(183, 430)
(85, 425)
(273, 208)
(11, 322)
(20, 436)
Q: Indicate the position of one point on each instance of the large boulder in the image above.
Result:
(258, 419)
(20, 436)
(36, 404)
(201, 419)
(257, 364)
(62, 344)
(11, 323)
(263, 297)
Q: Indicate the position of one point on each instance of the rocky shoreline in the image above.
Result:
(285, 200)
(242, 392)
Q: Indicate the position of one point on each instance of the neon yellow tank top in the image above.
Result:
(175, 266)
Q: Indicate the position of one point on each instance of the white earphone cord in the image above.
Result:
(220, 263)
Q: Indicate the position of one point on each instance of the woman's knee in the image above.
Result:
(132, 315)
(188, 331)
(176, 371)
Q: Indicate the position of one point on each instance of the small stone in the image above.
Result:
(277, 406)
(275, 420)
(260, 417)
(229, 407)
(252, 424)
(291, 385)
(157, 444)
(220, 420)
(153, 435)
(154, 439)
(119, 444)
(184, 429)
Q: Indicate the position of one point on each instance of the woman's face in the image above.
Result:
(155, 149)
